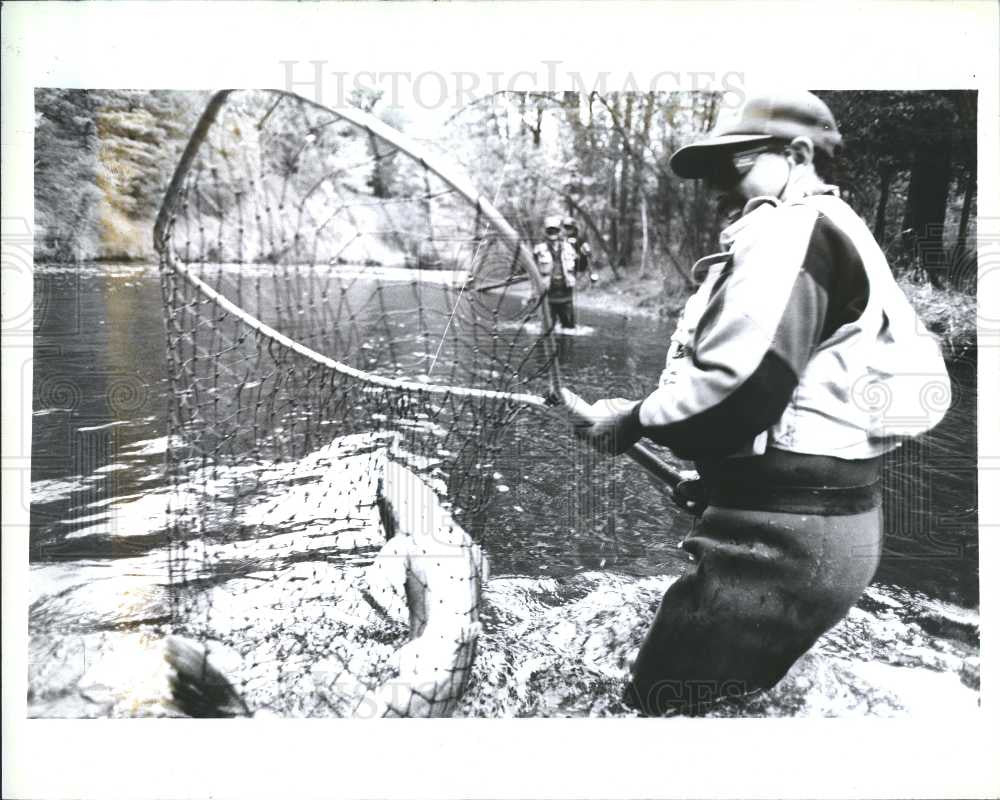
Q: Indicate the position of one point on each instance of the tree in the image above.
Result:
(928, 140)
(602, 157)
(103, 160)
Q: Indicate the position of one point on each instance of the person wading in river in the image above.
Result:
(794, 367)
(556, 260)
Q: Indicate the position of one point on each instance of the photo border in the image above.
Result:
(189, 45)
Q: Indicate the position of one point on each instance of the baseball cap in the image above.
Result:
(781, 115)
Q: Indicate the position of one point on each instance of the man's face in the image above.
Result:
(740, 175)
(552, 233)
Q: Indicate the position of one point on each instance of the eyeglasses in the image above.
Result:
(551, 231)
(731, 168)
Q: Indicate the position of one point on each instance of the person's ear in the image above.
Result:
(801, 150)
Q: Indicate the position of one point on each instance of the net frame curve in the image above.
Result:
(454, 178)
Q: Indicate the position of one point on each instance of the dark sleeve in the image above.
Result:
(787, 289)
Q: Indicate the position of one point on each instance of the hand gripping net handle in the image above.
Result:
(458, 181)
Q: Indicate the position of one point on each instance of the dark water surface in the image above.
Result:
(99, 496)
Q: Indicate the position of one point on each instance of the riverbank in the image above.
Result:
(649, 297)
(948, 313)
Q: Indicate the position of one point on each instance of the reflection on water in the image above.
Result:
(99, 412)
(578, 578)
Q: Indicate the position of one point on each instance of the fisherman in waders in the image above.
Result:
(795, 366)
(556, 260)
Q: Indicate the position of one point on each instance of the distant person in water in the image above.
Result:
(557, 262)
(581, 247)
(796, 365)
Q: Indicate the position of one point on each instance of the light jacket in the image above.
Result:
(546, 263)
(798, 339)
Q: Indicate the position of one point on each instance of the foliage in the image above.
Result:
(599, 159)
(102, 162)
(948, 313)
(908, 168)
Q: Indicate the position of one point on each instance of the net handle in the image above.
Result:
(654, 465)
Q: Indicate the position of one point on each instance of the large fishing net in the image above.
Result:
(350, 331)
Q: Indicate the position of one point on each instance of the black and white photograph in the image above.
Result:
(644, 398)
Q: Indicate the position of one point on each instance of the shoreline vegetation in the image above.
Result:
(948, 313)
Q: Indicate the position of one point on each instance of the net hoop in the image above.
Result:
(457, 180)
(414, 387)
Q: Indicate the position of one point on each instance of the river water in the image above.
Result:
(568, 599)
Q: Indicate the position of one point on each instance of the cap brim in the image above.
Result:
(697, 160)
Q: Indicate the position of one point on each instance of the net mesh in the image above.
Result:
(349, 334)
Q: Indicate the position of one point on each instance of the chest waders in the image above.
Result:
(784, 549)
